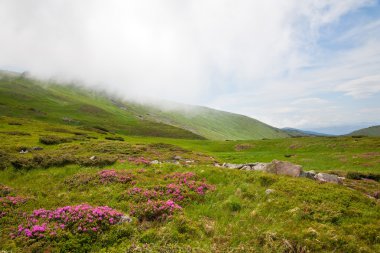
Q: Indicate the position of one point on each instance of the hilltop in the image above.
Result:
(369, 131)
(21, 96)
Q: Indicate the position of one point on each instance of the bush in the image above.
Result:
(14, 124)
(81, 219)
(18, 133)
(358, 176)
(114, 138)
(154, 210)
(46, 161)
(52, 140)
(233, 204)
(266, 181)
(4, 160)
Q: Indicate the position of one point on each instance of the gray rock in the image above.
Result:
(125, 218)
(93, 158)
(155, 162)
(233, 166)
(308, 174)
(269, 191)
(246, 167)
(330, 178)
(260, 166)
(284, 168)
(177, 157)
(24, 151)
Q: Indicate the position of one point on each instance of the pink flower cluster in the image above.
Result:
(113, 176)
(160, 202)
(8, 203)
(82, 218)
(139, 160)
(186, 186)
(155, 210)
(181, 176)
(140, 194)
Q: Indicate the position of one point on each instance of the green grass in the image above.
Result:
(238, 216)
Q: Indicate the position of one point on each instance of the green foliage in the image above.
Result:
(114, 138)
(233, 204)
(52, 140)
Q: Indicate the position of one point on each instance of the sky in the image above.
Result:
(312, 64)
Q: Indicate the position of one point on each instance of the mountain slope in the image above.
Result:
(68, 104)
(210, 123)
(21, 97)
(301, 133)
(369, 131)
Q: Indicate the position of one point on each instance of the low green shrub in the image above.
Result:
(52, 139)
(114, 138)
(233, 204)
(266, 180)
(46, 161)
(359, 175)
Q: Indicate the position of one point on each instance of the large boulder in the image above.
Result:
(284, 168)
(260, 166)
(330, 178)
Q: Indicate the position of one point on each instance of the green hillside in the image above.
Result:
(210, 123)
(69, 104)
(369, 131)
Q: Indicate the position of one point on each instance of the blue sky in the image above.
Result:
(306, 64)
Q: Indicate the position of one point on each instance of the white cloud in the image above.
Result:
(361, 87)
(243, 56)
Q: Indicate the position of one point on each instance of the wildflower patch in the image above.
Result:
(102, 177)
(9, 203)
(78, 219)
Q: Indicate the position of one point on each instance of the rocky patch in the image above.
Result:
(284, 168)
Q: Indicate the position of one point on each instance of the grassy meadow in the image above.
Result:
(232, 213)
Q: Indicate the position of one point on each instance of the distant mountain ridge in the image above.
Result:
(294, 132)
(373, 131)
(21, 96)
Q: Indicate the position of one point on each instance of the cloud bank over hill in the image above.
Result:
(288, 63)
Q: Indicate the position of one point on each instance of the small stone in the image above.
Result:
(269, 191)
(177, 157)
(23, 151)
(125, 218)
(93, 158)
(155, 162)
(294, 210)
(308, 174)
